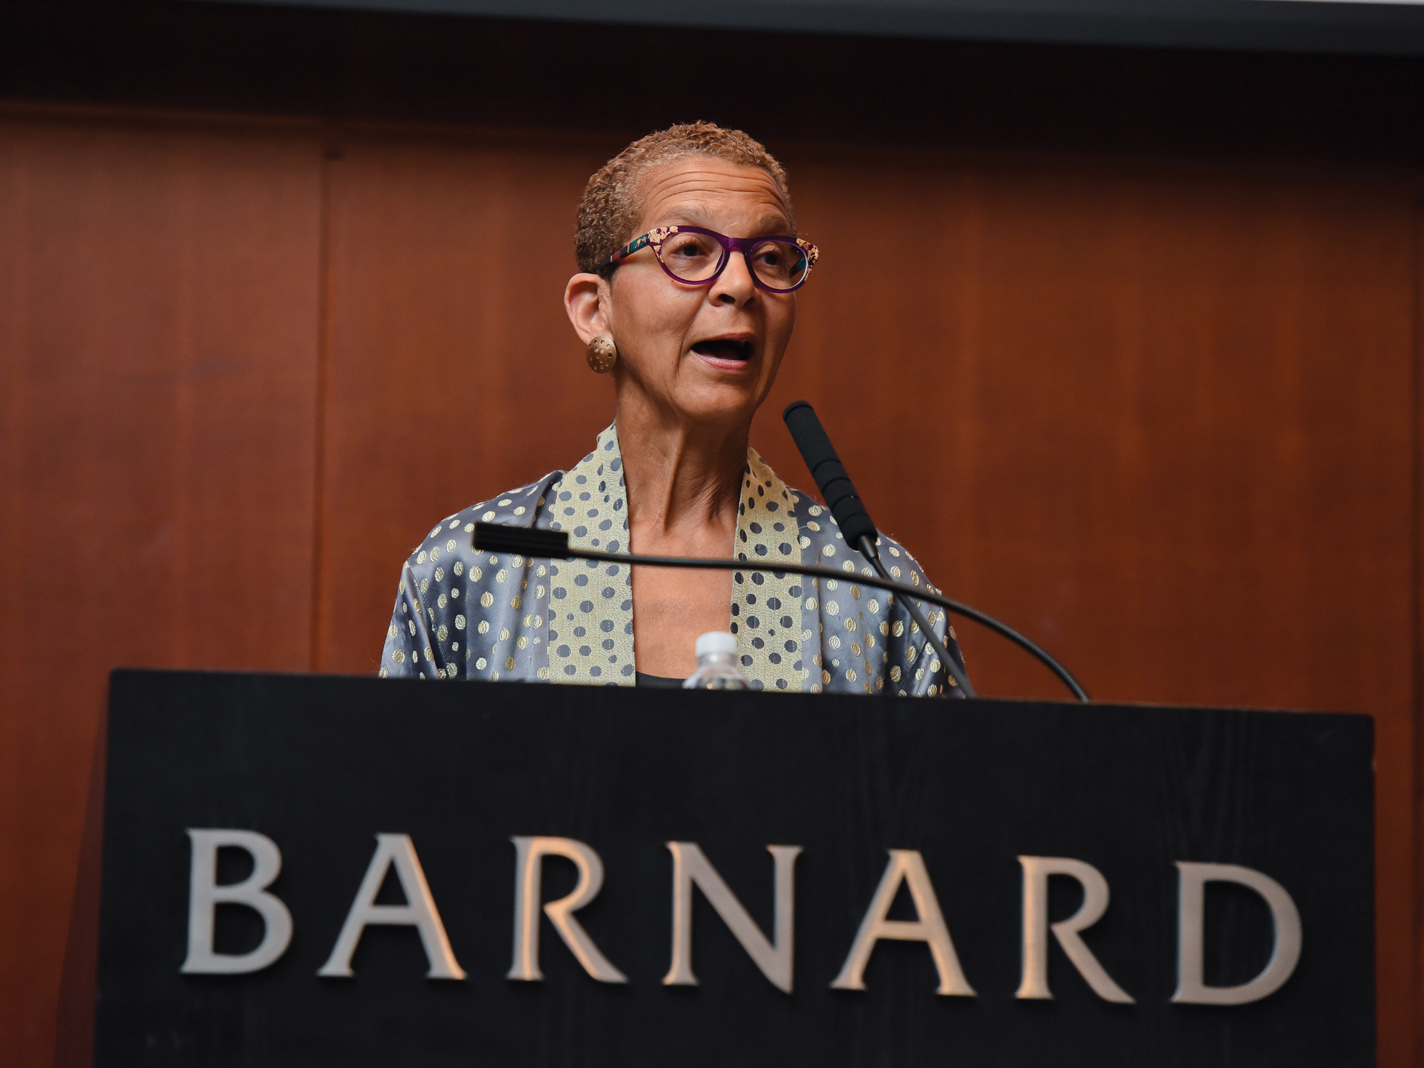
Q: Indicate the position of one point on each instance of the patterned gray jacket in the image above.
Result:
(466, 614)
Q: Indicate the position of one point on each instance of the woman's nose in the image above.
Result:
(735, 284)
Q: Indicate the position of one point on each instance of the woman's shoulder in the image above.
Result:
(520, 507)
(821, 534)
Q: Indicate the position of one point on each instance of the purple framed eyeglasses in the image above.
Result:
(695, 257)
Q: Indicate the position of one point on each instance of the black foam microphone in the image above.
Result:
(830, 474)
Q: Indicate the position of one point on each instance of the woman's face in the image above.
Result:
(706, 354)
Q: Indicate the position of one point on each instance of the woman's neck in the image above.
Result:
(682, 482)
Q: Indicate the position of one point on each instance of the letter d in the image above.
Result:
(1191, 988)
(204, 895)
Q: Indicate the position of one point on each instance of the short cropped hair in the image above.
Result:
(612, 204)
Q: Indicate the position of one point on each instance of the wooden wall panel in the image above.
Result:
(453, 372)
(1417, 800)
(1183, 400)
(158, 310)
(1163, 417)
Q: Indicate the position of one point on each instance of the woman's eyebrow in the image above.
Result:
(692, 215)
(772, 224)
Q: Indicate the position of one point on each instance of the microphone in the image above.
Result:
(830, 474)
(854, 522)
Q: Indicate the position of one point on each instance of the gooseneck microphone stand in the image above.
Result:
(554, 545)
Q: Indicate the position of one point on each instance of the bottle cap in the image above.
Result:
(716, 641)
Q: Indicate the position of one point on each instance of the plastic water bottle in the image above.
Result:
(717, 664)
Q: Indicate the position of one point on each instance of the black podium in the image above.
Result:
(312, 870)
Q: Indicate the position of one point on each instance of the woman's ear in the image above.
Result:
(584, 300)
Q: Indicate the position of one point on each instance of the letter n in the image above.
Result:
(690, 865)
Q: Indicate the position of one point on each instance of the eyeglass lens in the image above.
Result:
(696, 257)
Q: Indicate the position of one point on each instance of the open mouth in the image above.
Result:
(724, 348)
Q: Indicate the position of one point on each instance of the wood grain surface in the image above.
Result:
(453, 372)
(158, 305)
(1159, 413)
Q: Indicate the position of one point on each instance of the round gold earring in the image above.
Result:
(602, 354)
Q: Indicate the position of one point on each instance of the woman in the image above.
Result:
(692, 326)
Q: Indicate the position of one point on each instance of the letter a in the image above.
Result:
(394, 850)
(204, 895)
(906, 865)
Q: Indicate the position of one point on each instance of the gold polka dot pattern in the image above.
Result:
(765, 618)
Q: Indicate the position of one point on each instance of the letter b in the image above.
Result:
(205, 895)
